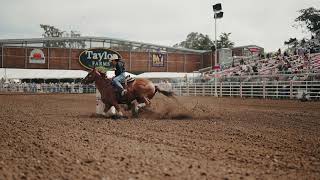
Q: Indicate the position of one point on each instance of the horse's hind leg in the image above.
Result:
(146, 101)
(142, 102)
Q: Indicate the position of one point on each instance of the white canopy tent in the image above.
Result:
(171, 76)
(10, 73)
(168, 75)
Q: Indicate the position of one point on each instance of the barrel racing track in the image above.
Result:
(58, 136)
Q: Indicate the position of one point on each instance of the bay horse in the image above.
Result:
(139, 92)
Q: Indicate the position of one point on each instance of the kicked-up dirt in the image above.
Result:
(60, 137)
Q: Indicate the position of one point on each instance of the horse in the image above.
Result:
(139, 93)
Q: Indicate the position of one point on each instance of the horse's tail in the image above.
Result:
(164, 92)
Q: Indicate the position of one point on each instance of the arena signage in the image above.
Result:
(37, 57)
(97, 57)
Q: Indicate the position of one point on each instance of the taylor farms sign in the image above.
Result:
(98, 57)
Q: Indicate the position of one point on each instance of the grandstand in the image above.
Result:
(295, 67)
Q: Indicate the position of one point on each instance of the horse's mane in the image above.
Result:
(103, 77)
(103, 74)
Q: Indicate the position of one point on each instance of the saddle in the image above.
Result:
(128, 79)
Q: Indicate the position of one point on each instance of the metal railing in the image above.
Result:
(268, 89)
(46, 88)
(263, 89)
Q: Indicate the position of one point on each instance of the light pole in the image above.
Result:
(218, 14)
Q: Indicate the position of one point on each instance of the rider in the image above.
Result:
(118, 66)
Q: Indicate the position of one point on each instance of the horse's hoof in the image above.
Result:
(115, 117)
(134, 114)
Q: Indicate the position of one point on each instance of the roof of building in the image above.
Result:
(247, 46)
(167, 75)
(98, 39)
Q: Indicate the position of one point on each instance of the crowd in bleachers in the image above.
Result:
(296, 66)
(281, 64)
(46, 87)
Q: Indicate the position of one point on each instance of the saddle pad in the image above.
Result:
(130, 79)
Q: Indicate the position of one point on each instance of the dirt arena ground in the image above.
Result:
(59, 137)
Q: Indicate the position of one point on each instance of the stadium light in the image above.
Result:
(218, 14)
(217, 7)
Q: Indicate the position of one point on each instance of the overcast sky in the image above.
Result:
(267, 23)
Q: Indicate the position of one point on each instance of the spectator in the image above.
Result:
(279, 52)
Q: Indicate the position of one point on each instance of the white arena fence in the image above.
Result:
(268, 89)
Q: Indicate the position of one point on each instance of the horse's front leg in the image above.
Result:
(134, 108)
(119, 113)
(141, 103)
(144, 101)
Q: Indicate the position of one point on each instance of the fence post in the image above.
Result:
(251, 90)
(277, 89)
(291, 90)
(203, 89)
(264, 89)
(180, 91)
(230, 89)
(211, 89)
(195, 89)
(188, 88)
(220, 89)
(306, 87)
(240, 89)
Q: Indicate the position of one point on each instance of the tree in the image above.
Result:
(197, 41)
(292, 42)
(76, 43)
(303, 42)
(51, 31)
(224, 41)
(309, 17)
(200, 41)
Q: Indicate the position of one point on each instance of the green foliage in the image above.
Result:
(224, 41)
(200, 41)
(197, 41)
(53, 32)
(76, 43)
(309, 17)
(292, 42)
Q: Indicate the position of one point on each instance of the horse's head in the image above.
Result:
(95, 75)
(91, 77)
